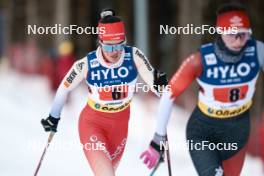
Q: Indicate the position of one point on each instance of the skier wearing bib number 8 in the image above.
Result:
(226, 71)
(111, 73)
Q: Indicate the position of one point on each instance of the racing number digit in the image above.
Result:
(234, 94)
(230, 94)
(115, 93)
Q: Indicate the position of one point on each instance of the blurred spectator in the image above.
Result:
(64, 62)
(31, 57)
(48, 65)
(16, 56)
(24, 57)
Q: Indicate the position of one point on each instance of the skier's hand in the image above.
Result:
(50, 123)
(160, 80)
(155, 152)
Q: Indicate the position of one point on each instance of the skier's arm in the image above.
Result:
(189, 70)
(150, 76)
(74, 76)
(260, 52)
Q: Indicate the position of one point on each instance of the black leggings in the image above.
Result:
(211, 141)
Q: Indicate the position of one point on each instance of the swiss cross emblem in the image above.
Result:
(236, 21)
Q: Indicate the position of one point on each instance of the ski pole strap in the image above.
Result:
(157, 147)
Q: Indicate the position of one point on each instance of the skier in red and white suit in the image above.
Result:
(226, 72)
(111, 73)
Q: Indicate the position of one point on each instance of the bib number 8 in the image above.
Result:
(230, 94)
(234, 94)
(117, 94)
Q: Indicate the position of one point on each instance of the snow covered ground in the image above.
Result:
(24, 100)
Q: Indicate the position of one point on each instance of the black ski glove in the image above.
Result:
(160, 80)
(50, 123)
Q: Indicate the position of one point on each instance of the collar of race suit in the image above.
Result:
(225, 54)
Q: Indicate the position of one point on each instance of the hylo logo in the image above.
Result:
(121, 72)
(243, 69)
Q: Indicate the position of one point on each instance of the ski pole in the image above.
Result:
(43, 153)
(156, 167)
(168, 157)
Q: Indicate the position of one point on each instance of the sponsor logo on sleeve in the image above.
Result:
(79, 66)
(146, 62)
(70, 78)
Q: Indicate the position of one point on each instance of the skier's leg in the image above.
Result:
(233, 165)
(95, 144)
(207, 162)
(99, 160)
(236, 135)
(109, 129)
(118, 136)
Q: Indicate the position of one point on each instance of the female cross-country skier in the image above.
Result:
(111, 73)
(226, 71)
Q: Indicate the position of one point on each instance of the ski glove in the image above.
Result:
(155, 152)
(50, 124)
(160, 80)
